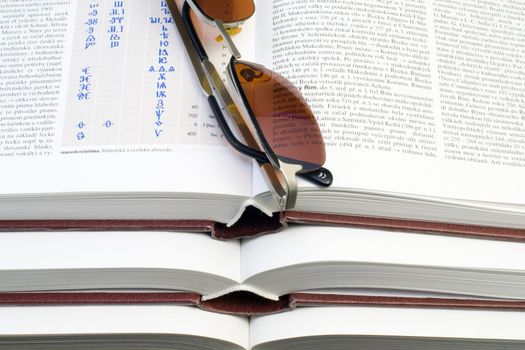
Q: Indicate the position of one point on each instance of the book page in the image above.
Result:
(102, 322)
(417, 97)
(86, 257)
(303, 245)
(91, 85)
(385, 322)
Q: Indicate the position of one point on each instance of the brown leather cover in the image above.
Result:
(247, 304)
(254, 223)
(306, 299)
(239, 303)
(99, 298)
(485, 232)
(107, 225)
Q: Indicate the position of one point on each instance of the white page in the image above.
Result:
(310, 244)
(120, 250)
(115, 320)
(102, 131)
(376, 321)
(381, 84)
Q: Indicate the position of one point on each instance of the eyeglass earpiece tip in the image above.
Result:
(325, 177)
(322, 177)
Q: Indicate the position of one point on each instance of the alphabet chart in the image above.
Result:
(130, 80)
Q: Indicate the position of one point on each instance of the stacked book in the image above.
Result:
(307, 286)
(128, 223)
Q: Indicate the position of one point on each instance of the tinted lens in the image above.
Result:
(227, 11)
(284, 117)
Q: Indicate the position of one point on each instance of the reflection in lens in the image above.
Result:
(284, 117)
(228, 11)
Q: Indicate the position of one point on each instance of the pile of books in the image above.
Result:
(127, 222)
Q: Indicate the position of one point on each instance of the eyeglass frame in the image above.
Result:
(269, 162)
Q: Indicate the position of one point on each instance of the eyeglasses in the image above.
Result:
(278, 127)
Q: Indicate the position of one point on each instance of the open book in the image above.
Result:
(421, 107)
(321, 261)
(178, 327)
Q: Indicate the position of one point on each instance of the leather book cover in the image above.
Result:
(248, 304)
(96, 298)
(307, 299)
(443, 228)
(255, 223)
(252, 223)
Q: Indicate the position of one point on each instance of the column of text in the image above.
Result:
(32, 38)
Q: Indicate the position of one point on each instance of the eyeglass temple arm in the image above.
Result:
(190, 29)
(321, 176)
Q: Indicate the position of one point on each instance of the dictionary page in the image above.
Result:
(424, 98)
(99, 96)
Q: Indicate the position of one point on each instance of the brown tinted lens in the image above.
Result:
(227, 11)
(285, 119)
